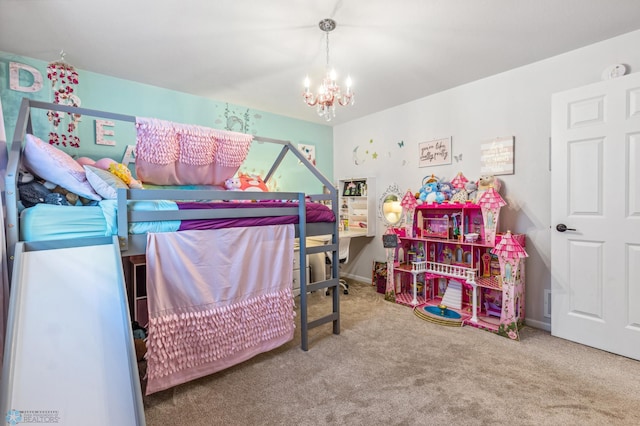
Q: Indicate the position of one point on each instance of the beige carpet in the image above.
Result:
(389, 367)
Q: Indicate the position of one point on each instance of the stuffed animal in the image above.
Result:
(246, 182)
(32, 193)
(252, 183)
(447, 189)
(123, 172)
(484, 183)
(461, 196)
(429, 193)
(232, 184)
(112, 166)
(71, 198)
(471, 188)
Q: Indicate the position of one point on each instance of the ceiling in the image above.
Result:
(256, 53)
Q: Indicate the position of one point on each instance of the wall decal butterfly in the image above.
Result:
(401, 144)
(458, 158)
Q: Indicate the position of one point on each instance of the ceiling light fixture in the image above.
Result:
(329, 93)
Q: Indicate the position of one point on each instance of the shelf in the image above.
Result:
(447, 205)
(359, 207)
(447, 241)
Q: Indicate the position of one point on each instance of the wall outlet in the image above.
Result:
(547, 303)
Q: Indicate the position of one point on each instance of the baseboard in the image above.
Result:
(356, 278)
(538, 324)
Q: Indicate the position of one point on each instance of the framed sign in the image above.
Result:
(389, 241)
(496, 156)
(434, 152)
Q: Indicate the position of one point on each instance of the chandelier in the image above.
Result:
(329, 93)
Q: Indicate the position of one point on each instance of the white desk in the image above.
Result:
(326, 239)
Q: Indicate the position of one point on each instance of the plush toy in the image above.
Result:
(123, 172)
(471, 189)
(429, 193)
(461, 196)
(56, 199)
(111, 165)
(447, 189)
(424, 192)
(232, 184)
(433, 190)
(32, 193)
(71, 198)
(246, 182)
(252, 183)
(484, 183)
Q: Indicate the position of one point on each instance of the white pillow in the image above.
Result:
(105, 183)
(54, 165)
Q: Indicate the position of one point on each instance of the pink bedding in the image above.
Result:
(216, 298)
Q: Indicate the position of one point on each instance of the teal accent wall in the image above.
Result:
(101, 92)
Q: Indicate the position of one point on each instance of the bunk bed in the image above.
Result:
(292, 214)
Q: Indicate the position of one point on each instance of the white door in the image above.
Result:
(595, 194)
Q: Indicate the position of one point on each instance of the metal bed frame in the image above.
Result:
(136, 244)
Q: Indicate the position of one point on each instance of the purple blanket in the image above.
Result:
(315, 213)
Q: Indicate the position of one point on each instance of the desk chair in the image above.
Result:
(343, 257)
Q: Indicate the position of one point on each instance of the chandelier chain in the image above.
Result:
(327, 33)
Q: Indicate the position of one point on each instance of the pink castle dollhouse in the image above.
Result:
(455, 268)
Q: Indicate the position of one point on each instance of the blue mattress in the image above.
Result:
(44, 222)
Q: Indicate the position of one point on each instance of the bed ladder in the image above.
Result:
(333, 282)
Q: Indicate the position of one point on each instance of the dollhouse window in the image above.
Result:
(459, 254)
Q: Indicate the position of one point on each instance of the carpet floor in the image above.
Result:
(389, 367)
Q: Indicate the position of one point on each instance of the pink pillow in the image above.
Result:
(85, 161)
(56, 166)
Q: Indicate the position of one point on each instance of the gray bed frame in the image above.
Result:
(130, 245)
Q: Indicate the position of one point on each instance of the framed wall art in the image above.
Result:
(434, 152)
(496, 156)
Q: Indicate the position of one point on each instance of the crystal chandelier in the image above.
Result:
(329, 93)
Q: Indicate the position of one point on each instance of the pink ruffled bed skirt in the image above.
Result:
(216, 298)
(184, 347)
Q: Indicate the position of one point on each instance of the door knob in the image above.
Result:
(561, 227)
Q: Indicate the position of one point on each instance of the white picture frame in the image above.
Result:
(309, 152)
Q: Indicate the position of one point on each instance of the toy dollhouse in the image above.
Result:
(454, 268)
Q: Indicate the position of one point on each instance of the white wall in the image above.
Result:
(515, 103)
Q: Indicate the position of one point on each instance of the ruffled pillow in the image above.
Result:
(54, 165)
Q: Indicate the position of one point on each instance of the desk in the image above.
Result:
(352, 234)
(344, 241)
(326, 239)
